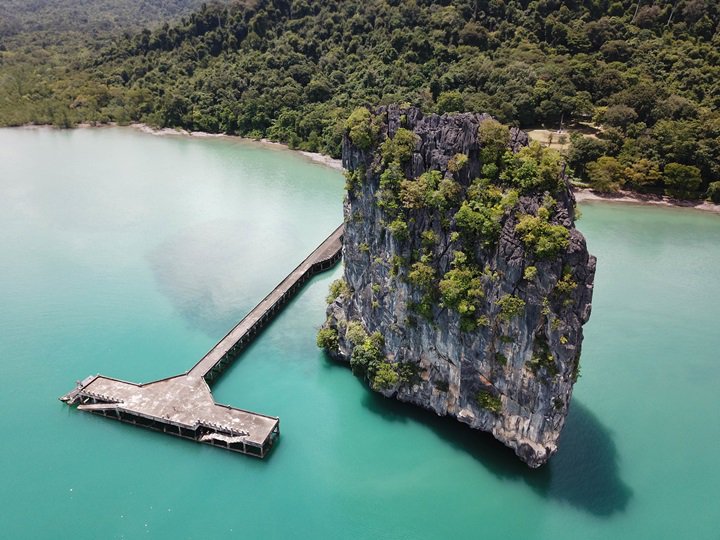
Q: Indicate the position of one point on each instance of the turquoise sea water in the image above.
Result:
(130, 255)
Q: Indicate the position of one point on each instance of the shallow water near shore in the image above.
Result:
(129, 255)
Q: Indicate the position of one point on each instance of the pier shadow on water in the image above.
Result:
(584, 473)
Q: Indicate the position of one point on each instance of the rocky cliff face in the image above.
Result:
(466, 283)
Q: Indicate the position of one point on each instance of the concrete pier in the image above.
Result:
(183, 405)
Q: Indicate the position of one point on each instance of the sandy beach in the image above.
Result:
(629, 197)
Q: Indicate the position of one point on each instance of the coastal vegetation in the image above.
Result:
(634, 84)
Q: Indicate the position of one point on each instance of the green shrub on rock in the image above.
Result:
(360, 127)
(353, 179)
(429, 239)
(399, 149)
(479, 222)
(542, 357)
(408, 372)
(367, 354)
(541, 236)
(533, 168)
(399, 229)
(510, 307)
(461, 288)
(480, 217)
(457, 163)
(327, 338)
(448, 193)
(385, 377)
(500, 358)
(355, 333)
(417, 193)
(565, 287)
(422, 274)
(489, 402)
(363, 357)
(337, 288)
(387, 196)
(494, 138)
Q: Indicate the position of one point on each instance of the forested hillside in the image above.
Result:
(647, 73)
(51, 19)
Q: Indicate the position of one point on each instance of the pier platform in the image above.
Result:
(183, 405)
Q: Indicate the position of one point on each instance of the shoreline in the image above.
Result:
(638, 199)
(316, 157)
(581, 194)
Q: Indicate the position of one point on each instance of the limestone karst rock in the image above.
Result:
(465, 289)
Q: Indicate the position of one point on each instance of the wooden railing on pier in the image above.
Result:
(183, 405)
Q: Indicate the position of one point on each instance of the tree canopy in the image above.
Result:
(294, 71)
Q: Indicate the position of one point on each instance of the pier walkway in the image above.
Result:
(215, 361)
(183, 405)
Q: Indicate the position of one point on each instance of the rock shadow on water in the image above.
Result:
(584, 473)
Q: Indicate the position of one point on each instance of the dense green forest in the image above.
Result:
(51, 20)
(645, 74)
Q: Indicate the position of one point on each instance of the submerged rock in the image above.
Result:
(466, 283)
